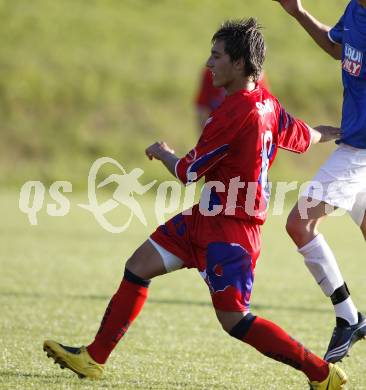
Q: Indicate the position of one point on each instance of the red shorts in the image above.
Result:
(223, 249)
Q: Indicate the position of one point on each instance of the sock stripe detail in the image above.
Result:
(340, 294)
(338, 351)
(131, 277)
(241, 328)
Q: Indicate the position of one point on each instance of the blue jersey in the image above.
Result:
(350, 32)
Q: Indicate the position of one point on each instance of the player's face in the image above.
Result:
(221, 66)
(362, 3)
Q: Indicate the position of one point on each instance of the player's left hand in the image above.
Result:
(157, 150)
(328, 133)
(292, 7)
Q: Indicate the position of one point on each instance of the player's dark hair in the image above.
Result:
(244, 39)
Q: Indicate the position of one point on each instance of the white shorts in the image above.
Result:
(341, 181)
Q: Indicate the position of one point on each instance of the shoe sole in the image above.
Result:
(358, 335)
(58, 360)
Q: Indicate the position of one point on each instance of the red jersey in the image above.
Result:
(211, 97)
(236, 150)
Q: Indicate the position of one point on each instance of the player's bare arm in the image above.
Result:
(161, 151)
(324, 133)
(317, 30)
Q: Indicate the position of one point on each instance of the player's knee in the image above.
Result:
(240, 329)
(135, 265)
(300, 230)
(294, 225)
(146, 262)
(228, 319)
(225, 327)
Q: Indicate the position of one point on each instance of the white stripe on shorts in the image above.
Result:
(171, 262)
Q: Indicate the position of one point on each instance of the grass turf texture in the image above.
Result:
(56, 280)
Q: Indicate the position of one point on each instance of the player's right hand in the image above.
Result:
(293, 7)
(157, 149)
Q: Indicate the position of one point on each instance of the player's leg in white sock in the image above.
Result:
(322, 264)
(320, 260)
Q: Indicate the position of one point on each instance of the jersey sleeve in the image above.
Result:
(212, 147)
(335, 34)
(293, 134)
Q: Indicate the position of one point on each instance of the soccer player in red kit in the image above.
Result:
(220, 236)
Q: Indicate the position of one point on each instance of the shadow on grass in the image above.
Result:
(17, 374)
(254, 307)
(179, 302)
(50, 380)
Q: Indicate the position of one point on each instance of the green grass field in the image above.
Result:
(56, 279)
(80, 80)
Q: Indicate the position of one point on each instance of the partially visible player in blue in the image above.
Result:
(343, 176)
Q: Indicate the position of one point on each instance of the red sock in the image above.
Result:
(123, 308)
(274, 342)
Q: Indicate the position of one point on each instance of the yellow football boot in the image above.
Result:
(335, 380)
(75, 359)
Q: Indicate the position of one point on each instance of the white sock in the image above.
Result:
(347, 310)
(322, 264)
